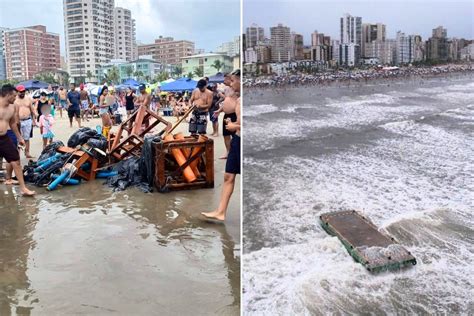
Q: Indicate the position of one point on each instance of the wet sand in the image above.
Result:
(87, 250)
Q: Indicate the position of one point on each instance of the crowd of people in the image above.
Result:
(359, 75)
(21, 112)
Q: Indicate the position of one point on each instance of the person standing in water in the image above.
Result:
(62, 95)
(74, 105)
(130, 99)
(201, 98)
(8, 118)
(232, 167)
(104, 105)
(46, 122)
(85, 102)
(27, 115)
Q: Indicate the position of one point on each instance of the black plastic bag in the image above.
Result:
(50, 150)
(98, 141)
(81, 136)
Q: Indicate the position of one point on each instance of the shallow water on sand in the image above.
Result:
(88, 250)
(402, 153)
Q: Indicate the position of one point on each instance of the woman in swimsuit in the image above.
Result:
(104, 105)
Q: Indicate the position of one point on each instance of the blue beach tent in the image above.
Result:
(181, 84)
(34, 84)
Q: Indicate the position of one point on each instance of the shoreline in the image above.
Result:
(354, 79)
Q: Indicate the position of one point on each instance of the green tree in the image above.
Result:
(199, 72)
(129, 71)
(217, 65)
(113, 75)
(89, 75)
(190, 75)
(177, 71)
(47, 77)
(138, 74)
(162, 76)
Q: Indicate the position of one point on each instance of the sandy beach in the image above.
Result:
(88, 250)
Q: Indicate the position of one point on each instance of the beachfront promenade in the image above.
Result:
(358, 75)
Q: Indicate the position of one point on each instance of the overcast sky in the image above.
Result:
(206, 22)
(411, 17)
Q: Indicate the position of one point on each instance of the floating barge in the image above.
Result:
(365, 243)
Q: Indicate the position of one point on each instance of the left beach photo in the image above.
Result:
(120, 157)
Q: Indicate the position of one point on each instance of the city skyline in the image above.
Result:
(325, 19)
(152, 20)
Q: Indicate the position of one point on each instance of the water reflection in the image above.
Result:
(81, 224)
(18, 218)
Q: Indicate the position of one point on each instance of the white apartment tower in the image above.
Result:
(253, 35)
(124, 29)
(89, 32)
(351, 36)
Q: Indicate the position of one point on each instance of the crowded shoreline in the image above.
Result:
(353, 77)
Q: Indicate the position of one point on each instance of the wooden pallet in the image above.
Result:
(79, 158)
(122, 146)
(168, 174)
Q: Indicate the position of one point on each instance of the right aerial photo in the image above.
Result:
(358, 157)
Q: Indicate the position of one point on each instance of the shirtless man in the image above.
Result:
(144, 99)
(62, 93)
(27, 116)
(8, 117)
(201, 98)
(85, 102)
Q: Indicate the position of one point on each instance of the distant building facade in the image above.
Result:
(205, 62)
(351, 36)
(253, 35)
(147, 68)
(30, 50)
(3, 69)
(90, 38)
(437, 45)
(124, 28)
(167, 50)
(232, 49)
(281, 46)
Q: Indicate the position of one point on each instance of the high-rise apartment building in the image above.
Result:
(281, 46)
(90, 38)
(167, 50)
(437, 45)
(351, 36)
(384, 51)
(124, 28)
(30, 50)
(321, 47)
(253, 35)
(297, 46)
(3, 69)
(372, 32)
(232, 49)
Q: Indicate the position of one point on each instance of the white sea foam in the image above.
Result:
(417, 185)
(254, 110)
